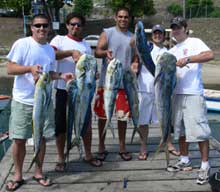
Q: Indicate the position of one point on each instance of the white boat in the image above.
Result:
(212, 100)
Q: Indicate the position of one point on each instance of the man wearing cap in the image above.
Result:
(189, 112)
(147, 106)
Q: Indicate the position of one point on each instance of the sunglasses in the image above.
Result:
(75, 24)
(39, 25)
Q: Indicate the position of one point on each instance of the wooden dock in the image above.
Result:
(115, 175)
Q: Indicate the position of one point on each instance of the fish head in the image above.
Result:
(167, 62)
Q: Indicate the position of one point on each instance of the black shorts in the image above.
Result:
(60, 112)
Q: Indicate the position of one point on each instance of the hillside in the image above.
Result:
(206, 29)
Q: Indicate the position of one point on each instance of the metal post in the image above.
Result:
(184, 9)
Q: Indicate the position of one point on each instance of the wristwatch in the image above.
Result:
(187, 60)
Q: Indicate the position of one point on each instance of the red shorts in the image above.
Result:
(121, 105)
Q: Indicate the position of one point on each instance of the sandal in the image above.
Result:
(93, 162)
(126, 156)
(174, 152)
(14, 185)
(60, 167)
(43, 181)
(142, 156)
(102, 155)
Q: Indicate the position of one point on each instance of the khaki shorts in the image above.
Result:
(147, 109)
(190, 118)
(20, 124)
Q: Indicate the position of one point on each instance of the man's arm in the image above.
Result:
(68, 53)
(102, 47)
(200, 58)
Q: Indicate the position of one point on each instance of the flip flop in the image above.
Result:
(93, 162)
(60, 167)
(142, 156)
(174, 152)
(44, 179)
(126, 156)
(102, 155)
(15, 185)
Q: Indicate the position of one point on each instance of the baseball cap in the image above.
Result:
(179, 21)
(158, 28)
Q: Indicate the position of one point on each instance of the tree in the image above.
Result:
(175, 9)
(199, 8)
(137, 8)
(18, 5)
(83, 7)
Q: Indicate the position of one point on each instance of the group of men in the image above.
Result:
(32, 55)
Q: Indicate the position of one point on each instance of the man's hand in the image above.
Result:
(76, 55)
(182, 62)
(134, 67)
(36, 70)
(67, 76)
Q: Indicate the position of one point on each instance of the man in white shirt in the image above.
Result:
(28, 57)
(189, 109)
(68, 50)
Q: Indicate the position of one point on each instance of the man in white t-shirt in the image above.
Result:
(68, 50)
(27, 58)
(147, 107)
(189, 109)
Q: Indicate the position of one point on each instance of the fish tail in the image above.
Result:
(112, 130)
(158, 149)
(34, 160)
(133, 134)
(167, 154)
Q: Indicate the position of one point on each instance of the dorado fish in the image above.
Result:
(131, 89)
(165, 81)
(86, 69)
(143, 48)
(72, 91)
(42, 101)
(112, 83)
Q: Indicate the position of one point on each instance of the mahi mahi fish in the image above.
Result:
(72, 91)
(143, 48)
(131, 89)
(112, 83)
(42, 101)
(165, 81)
(86, 70)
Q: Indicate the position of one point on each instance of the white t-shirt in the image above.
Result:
(145, 78)
(67, 64)
(28, 52)
(189, 78)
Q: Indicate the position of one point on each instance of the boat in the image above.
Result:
(212, 98)
(4, 119)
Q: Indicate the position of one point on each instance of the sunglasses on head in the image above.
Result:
(39, 25)
(75, 24)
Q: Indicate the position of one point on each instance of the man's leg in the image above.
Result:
(87, 140)
(143, 132)
(101, 126)
(18, 152)
(204, 150)
(122, 126)
(38, 175)
(60, 143)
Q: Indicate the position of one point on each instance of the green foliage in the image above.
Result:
(137, 8)
(199, 8)
(17, 5)
(175, 9)
(215, 13)
(83, 7)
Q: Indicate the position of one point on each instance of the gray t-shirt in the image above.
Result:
(119, 43)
